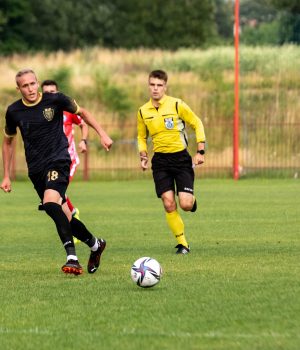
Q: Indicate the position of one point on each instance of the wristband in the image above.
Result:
(84, 140)
(201, 151)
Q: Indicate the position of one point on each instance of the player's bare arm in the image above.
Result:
(7, 153)
(106, 141)
(84, 134)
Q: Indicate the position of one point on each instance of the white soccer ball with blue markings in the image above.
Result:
(146, 272)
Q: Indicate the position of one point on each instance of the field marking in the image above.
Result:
(35, 330)
(212, 335)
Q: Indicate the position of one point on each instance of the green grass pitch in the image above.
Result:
(238, 289)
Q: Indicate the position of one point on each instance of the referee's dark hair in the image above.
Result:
(159, 74)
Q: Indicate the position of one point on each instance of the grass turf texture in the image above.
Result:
(238, 289)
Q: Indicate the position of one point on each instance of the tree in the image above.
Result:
(270, 21)
(258, 10)
(164, 24)
(15, 15)
(68, 24)
(289, 20)
(224, 18)
(292, 6)
(64, 25)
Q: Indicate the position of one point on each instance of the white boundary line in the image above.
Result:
(213, 334)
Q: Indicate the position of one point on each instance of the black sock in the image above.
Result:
(81, 232)
(63, 227)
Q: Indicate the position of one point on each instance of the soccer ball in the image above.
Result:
(146, 272)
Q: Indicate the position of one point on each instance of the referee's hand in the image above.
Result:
(144, 163)
(198, 159)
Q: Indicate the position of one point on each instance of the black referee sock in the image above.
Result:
(81, 232)
(63, 227)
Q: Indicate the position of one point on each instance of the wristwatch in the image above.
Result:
(201, 151)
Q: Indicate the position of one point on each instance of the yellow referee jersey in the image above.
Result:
(166, 125)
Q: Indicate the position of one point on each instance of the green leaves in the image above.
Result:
(52, 25)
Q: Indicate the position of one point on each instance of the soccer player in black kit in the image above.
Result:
(40, 120)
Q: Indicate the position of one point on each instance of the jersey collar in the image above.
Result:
(35, 103)
(161, 101)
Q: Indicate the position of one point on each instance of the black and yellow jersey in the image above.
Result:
(166, 125)
(41, 127)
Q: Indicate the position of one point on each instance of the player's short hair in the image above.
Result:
(159, 74)
(24, 71)
(49, 82)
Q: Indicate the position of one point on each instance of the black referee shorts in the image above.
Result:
(55, 177)
(170, 169)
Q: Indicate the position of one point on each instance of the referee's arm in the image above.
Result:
(193, 120)
(142, 135)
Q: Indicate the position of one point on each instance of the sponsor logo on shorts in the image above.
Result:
(188, 189)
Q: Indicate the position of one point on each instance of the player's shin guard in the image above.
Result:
(177, 227)
(63, 227)
(81, 232)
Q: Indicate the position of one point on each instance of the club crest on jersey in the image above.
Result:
(169, 123)
(48, 113)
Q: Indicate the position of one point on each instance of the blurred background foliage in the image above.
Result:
(101, 51)
(112, 84)
(51, 25)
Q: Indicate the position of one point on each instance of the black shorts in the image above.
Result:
(170, 169)
(55, 177)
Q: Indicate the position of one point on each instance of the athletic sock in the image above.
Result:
(95, 247)
(72, 257)
(81, 232)
(63, 227)
(177, 227)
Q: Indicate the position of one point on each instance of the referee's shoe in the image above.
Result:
(181, 249)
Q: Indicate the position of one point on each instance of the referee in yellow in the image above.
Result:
(163, 118)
